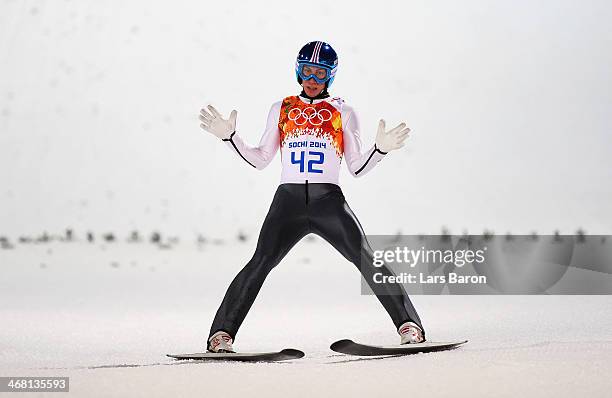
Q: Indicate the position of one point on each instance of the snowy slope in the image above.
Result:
(107, 317)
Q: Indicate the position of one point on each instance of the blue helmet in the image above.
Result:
(319, 54)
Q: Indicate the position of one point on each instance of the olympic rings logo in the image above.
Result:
(316, 118)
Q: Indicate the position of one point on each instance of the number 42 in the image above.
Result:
(319, 159)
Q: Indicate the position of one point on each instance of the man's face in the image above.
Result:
(311, 87)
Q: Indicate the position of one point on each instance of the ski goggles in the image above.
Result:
(309, 71)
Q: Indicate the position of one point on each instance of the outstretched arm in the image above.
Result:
(259, 156)
(359, 163)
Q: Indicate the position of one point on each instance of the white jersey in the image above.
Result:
(313, 136)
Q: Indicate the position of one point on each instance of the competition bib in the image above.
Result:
(310, 141)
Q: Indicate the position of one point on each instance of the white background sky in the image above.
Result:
(510, 105)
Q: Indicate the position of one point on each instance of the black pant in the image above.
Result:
(297, 210)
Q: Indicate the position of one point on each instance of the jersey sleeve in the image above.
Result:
(261, 155)
(358, 162)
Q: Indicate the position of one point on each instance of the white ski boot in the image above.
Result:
(220, 342)
(410, 333)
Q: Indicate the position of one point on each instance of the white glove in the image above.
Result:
(393, 139)
(214, 123)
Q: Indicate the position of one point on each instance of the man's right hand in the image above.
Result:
(213, 122)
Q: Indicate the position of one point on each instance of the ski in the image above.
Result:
(351, 348)
(283, 355)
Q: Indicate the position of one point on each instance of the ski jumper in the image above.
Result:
(313, 136)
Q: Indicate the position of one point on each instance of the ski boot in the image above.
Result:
(410, 333)
(220, 342)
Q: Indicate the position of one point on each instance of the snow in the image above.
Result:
(107, 315)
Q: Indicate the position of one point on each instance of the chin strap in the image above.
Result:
(321, 95)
